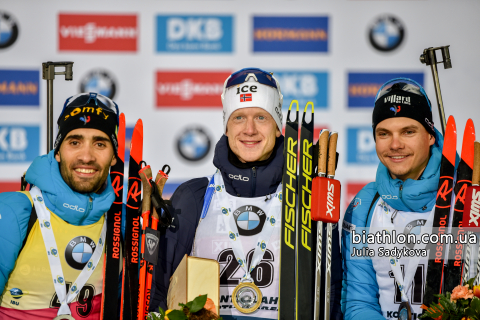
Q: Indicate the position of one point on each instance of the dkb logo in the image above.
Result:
(194, 33)
(361, 146)
(19, 143)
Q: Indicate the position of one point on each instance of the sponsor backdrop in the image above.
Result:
(166, 62)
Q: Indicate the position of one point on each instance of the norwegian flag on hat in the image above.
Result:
(245, 97)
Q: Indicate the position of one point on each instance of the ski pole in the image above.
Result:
(471, 213)
(48, 73)
(331, 163)
(322, 171)
(160, 181)
(430, 59)
(146, 176)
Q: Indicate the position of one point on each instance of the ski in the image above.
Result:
(435, 270)
(111, 262)
(287, 288)
(464, 180)
(305, 258)
(132, 226)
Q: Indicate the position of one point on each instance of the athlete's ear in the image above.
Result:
(114, 161)
(431, 140)
(57, 156)
(277, 133)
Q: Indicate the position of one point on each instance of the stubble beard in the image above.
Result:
(87, 186)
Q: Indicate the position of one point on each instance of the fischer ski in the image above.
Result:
(464, 180)
(435, 270)
(305, 258)
(287, 291)
(132, 227)
(111, 262)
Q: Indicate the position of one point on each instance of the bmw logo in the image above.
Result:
(79, 251)
(99, 81)
(16, 293)
(249, 219)
(193, 144)
(413, 227)
(8, 30)
(386, 33)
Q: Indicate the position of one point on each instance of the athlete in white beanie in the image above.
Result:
(252, 113)
(252, 87)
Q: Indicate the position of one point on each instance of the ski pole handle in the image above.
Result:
(146, 175)
(476, 164)
(322, 152)
(160, 210)
(332, 154)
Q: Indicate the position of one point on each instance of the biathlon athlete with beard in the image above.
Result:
(52, 236)
(402, 197)
(245, 210)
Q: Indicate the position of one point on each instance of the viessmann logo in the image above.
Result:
(97, 32)
(190, 89)
(363, 87)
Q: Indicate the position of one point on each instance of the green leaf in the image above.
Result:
(470, 283)
(160, 310)
(177, 315)
(189, 305)
(198, 303)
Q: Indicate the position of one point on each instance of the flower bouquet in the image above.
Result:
(462, 304)
(201, 308)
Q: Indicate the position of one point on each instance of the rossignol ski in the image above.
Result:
(108, 309)
(132, 227)
(435, 270)
(464, 180)
(288, 228)
(306, 235)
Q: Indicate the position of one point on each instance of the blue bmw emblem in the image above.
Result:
(386, 33)
(193, 144)
(8, 30)
(100, 81)
(249, 219)
(79, 251)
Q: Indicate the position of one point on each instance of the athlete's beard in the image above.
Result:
(83, 186)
